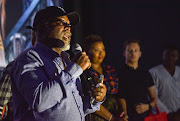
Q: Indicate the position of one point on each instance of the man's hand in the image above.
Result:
(99, 92)
(82, 60)
(141, 108)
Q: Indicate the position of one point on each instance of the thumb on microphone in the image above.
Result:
(80, 57)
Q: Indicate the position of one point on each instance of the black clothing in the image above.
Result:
(1, 72)
(133, 87)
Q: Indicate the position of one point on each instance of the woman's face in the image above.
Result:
(97, 53)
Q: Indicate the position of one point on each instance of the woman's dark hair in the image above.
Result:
(89, 40)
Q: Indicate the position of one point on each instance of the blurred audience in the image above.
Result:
(6, 104)
(166, 77)
(95, 49)
(136, 93)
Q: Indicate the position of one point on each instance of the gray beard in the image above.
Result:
(65, 47)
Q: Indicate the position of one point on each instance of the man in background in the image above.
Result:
(136, 91)
(166, 77)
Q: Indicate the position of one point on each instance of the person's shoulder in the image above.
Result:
(24, 56)
(156, 68)
(143, 71)
(178, 67)
(122, 67)
(122, 71)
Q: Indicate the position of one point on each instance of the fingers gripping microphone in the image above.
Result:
(86, 75)
(76, 48)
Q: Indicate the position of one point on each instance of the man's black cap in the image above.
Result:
(52, 12)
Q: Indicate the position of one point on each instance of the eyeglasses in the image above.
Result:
(60, 22)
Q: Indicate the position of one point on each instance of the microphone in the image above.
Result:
(76, 48)
(86, 79)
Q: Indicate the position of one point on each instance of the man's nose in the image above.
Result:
(132, 52)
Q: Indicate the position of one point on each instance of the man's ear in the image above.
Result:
(33, 38)
(140, 54)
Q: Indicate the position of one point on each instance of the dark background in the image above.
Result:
(155, 24)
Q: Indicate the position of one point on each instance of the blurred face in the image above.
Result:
(97, 52)
(170, 57)
(132, 53)
(61, 30)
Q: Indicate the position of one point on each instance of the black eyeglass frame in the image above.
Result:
(63, 23)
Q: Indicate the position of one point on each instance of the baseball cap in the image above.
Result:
(51, 12)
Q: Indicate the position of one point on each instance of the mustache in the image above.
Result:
(57, 43)
(66, 32)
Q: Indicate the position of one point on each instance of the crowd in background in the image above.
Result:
(138, 91)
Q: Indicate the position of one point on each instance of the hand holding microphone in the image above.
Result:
(80, 57)
(83, 61)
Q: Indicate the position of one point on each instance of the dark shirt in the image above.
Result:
(133, 87)
(1, 72)
(6, 95)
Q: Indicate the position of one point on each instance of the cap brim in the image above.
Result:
(74, 18)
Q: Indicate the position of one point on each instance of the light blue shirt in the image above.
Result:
(43, 90)
(167, 88)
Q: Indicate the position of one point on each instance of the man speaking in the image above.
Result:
(45, 83)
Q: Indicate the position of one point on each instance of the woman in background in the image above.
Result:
(95, 49)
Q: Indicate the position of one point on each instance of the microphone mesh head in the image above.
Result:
(76, 48)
